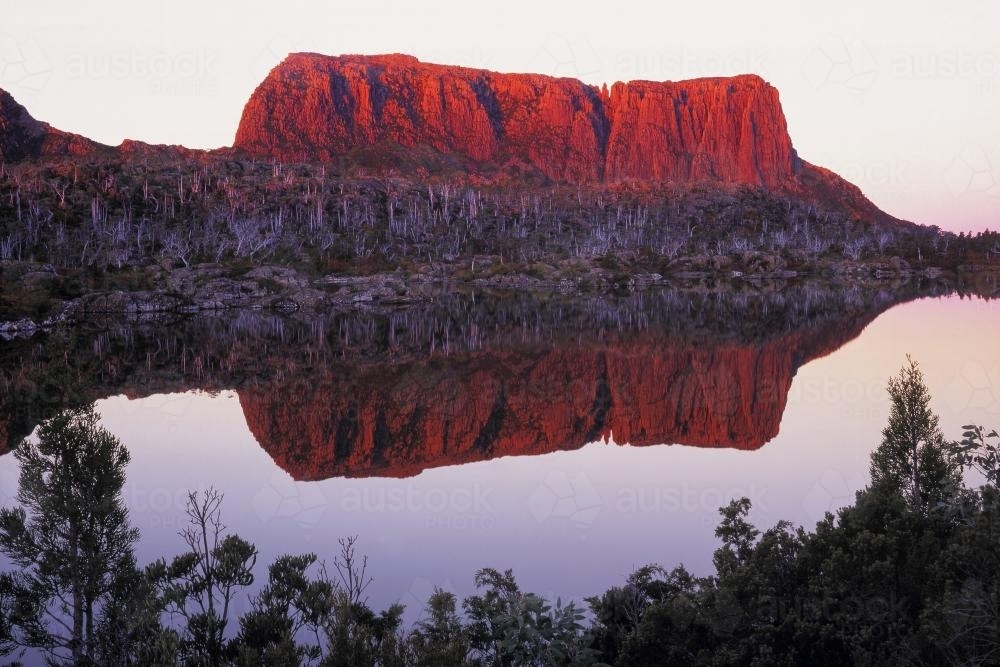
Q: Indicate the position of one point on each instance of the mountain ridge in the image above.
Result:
(393, 109)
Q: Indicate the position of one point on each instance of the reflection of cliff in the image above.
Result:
(462, 379)
(397, 420)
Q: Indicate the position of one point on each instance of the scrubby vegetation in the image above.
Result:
(905, 575)
(125, 215)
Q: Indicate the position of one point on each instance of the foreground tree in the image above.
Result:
(6, 614)
(201, 585)
(70, 538)
(440, 638)
(293, 605)
(510, 627)
(979, 450)
(912, 456)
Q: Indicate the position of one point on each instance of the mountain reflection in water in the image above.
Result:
(467, 378)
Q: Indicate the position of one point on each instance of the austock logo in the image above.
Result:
(836, 62)
(975, 170)
(282, 498)
(560, 497)
(561, 57)
(832, 491)
(858, 399)
(420, 591)
(159, 507)
(275, 51)
(974, 387)
(23, 64)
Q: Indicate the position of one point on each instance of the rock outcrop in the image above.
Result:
(22, 137)
(314, 107)
(729, 130)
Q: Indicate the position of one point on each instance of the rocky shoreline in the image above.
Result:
(212, 287)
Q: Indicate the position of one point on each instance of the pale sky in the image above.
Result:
(902, 98)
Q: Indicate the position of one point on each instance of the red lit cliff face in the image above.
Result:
(397, 421)
(22, 137)
(314, 107)
(729, 130)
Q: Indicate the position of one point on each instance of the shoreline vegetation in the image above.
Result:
(904, 575)
(186, 235)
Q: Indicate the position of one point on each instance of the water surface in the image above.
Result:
(481, 433)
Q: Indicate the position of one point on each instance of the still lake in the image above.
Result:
(482, 433)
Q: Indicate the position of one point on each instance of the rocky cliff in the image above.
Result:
(314, 107)
(22, 137)
(729, 130)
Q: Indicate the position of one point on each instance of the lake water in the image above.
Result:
(482, 432)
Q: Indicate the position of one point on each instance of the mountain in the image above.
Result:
(319, 107)
(394, 112)
(385, 111)
(22, 137)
